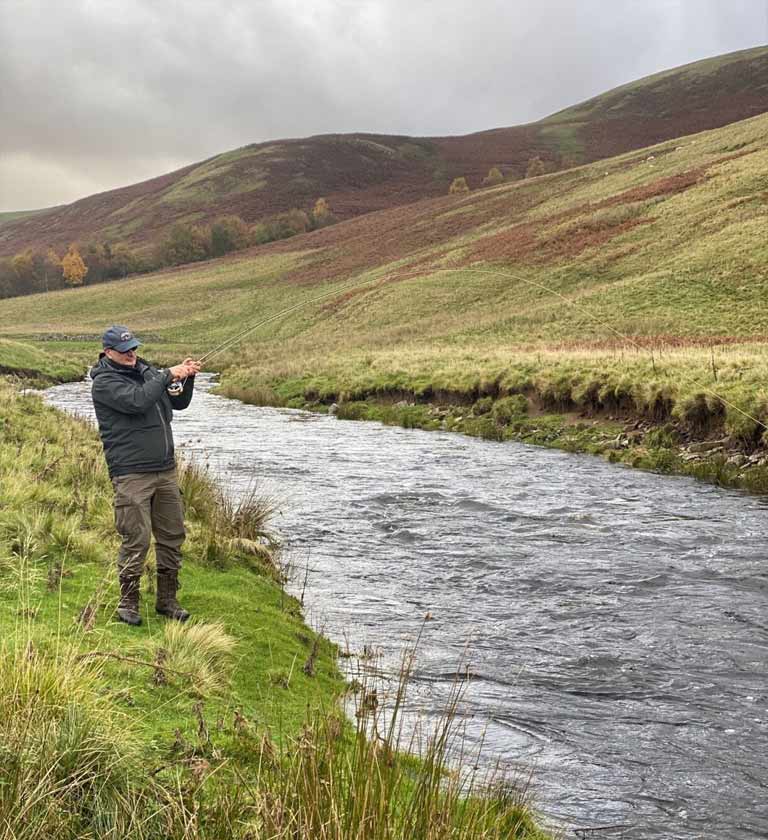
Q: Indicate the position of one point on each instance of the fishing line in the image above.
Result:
(230, 342)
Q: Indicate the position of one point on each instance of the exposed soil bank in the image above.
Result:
(695, 444)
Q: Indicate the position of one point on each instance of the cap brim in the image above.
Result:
(124, 346)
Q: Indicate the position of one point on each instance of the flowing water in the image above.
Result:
(617, 621)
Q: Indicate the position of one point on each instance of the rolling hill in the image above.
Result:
(362, 173)
(663, 248)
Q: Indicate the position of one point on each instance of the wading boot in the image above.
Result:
(167, 605)
(128, 608)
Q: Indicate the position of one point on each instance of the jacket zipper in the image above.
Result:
(165, 431)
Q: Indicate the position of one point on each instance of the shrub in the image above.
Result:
(535, 167)
(509, 408)
(493, 178)
(482, 406)
(458, 186)
(228, 233)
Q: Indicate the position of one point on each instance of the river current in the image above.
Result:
(614, 622)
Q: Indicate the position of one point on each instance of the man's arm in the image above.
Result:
(128, 397)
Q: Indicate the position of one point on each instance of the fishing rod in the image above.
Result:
(235, 339)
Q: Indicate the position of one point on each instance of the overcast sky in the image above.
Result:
(96, 94)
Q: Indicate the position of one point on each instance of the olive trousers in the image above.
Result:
(146, 504)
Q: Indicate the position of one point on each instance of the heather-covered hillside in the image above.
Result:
(361, 173)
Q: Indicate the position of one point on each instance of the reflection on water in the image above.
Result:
(617, 620)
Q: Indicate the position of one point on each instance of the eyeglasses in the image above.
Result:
(131, 352)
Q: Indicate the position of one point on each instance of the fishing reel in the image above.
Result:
(176, 388)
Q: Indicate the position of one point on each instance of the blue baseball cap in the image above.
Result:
(119, 338)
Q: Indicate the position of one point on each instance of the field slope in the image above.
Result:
(633, 281)
(361, 173)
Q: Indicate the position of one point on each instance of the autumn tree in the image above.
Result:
(51, 270)
(228, 233)
(321, 214)
(123, 261)
(535, 167)
(493, 178)
(185, 243)
(458, 186)
(73, 268)
(28, 267)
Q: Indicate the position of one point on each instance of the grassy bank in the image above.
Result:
(227, 726)
(691, 411)
(41, 363)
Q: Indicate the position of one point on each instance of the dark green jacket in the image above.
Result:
(134, 411)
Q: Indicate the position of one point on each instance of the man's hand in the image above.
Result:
(189, 367)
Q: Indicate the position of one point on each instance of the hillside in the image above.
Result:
(362, 173)
(631, 288)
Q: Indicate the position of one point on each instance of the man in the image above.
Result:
(134, 410)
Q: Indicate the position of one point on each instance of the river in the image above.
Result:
(615, 622)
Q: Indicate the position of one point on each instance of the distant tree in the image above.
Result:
(493, 177)
(321, 214)
(73, 268)
(24, 267)
(185, 243)
(458, 186)
(123, 261)
(569, 161)
(9, 280)
(51, 270)
(96, 256)
(535, 167)
(228, 233)
(289, 224)
(29, 269)
(260, 234)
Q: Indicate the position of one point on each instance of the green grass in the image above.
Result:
(58, 362)
(227, 725)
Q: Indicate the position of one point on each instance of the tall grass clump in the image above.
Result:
(332, 784)
(199, 653)
(226, 527)
(65, 759)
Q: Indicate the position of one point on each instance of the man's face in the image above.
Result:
(128, 358)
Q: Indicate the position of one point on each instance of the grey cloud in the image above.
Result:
(104, 93)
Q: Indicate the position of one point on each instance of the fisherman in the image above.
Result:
(134, 409)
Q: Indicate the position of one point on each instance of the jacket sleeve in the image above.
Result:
(127, 397)
(182, 400)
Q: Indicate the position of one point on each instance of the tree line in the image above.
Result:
(33, 270)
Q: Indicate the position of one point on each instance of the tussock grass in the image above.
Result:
(66, 756)
(229, 528)
(201, 651)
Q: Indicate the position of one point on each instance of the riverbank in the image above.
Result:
(226, 726)
(691, 411)
(40, 364)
